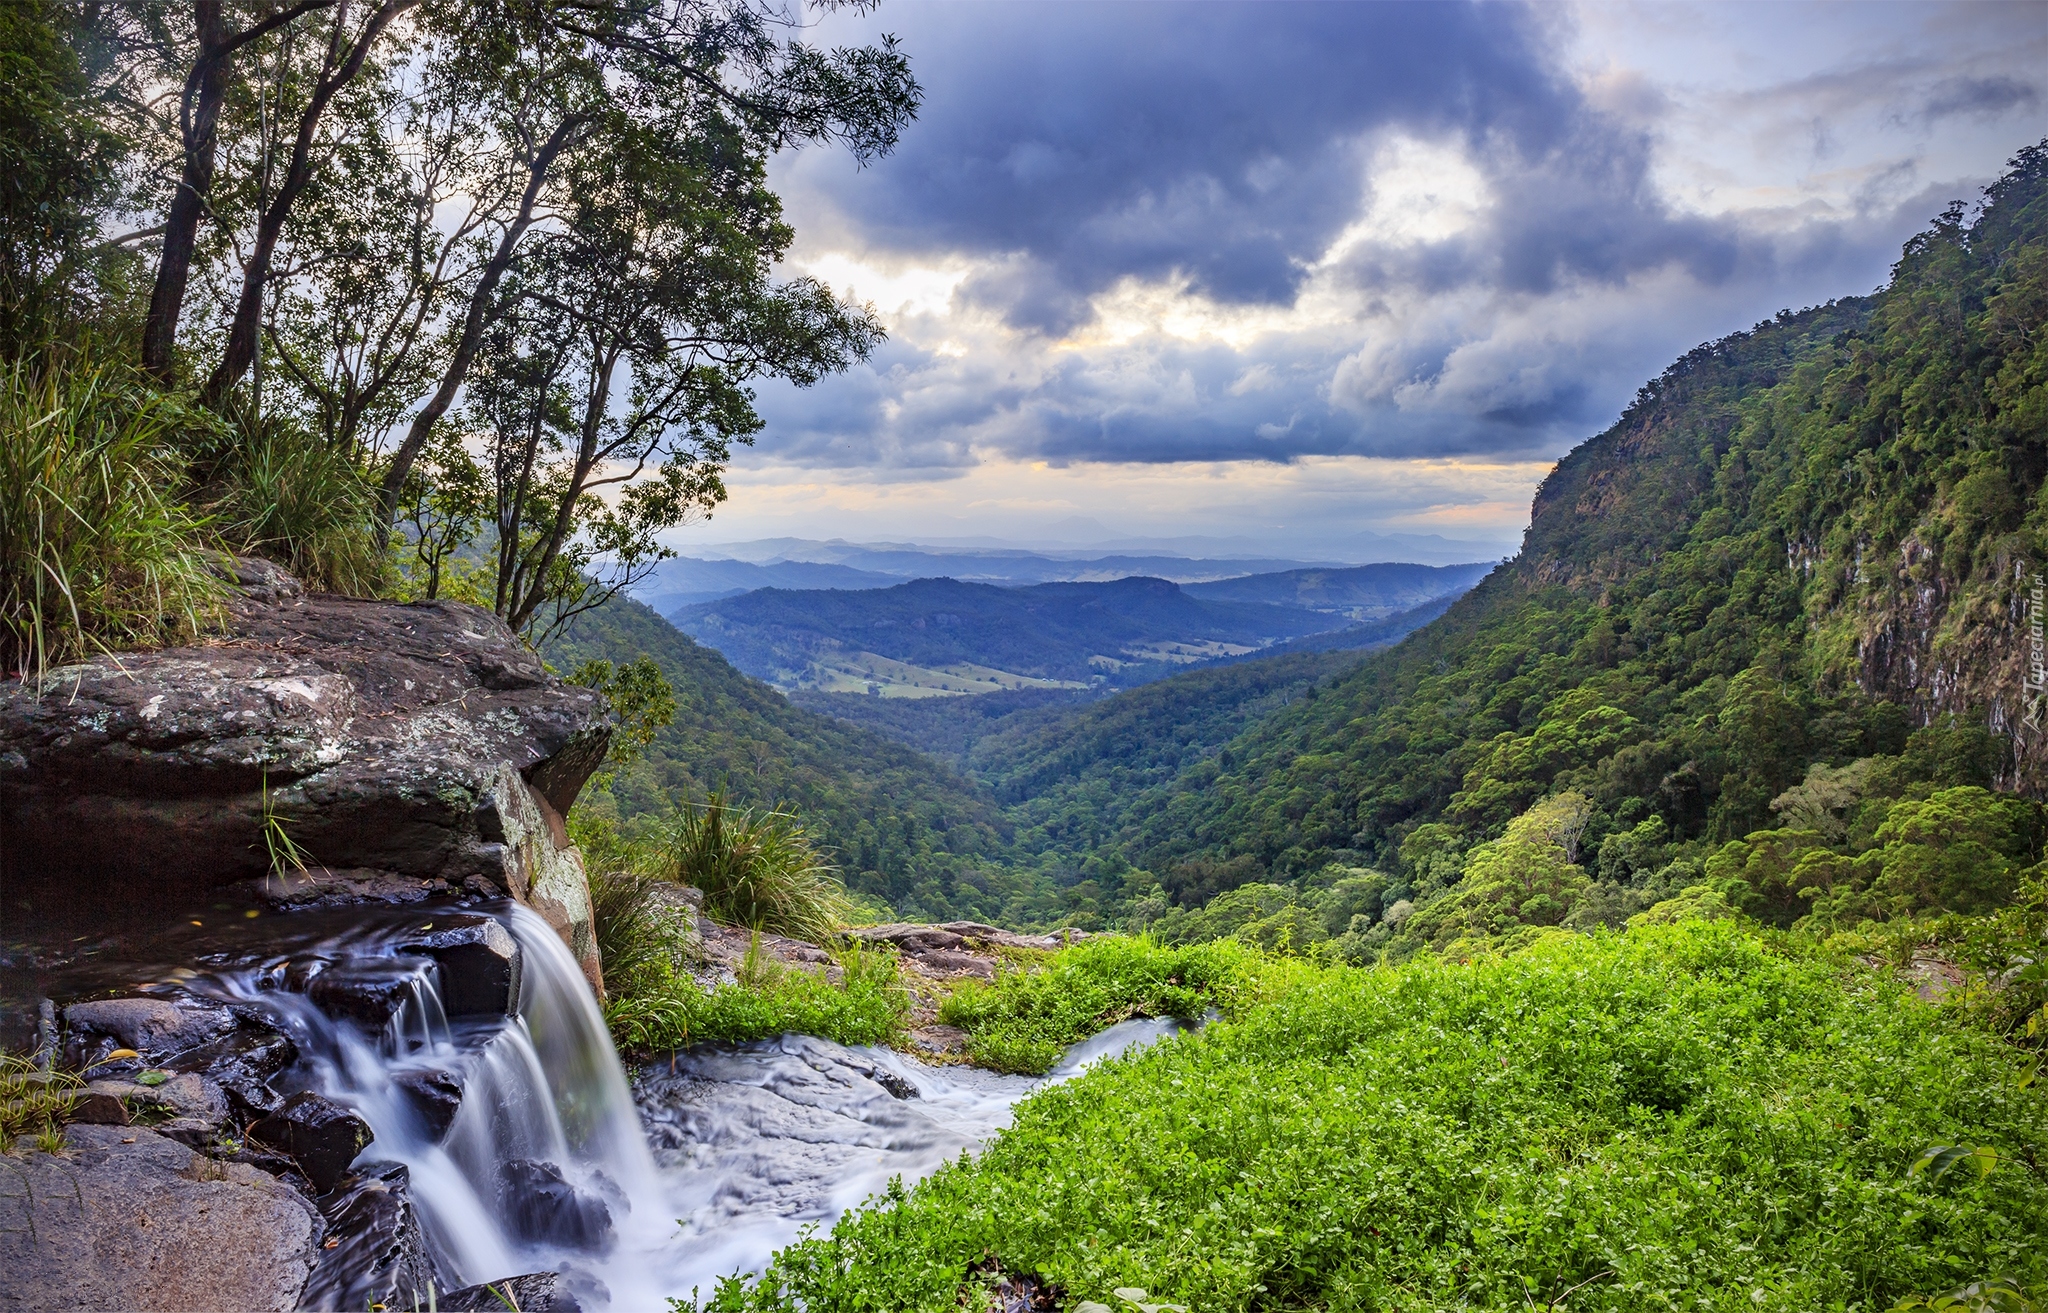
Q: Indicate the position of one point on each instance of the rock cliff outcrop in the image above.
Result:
(328, 748)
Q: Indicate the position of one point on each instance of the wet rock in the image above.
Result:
(100, 1109)
(479, 960)
(421, 741)
(126, 1219)
(898, 1087)
(374, 1254)
(241, 1063)
(186, 1107)
(319, 886)
(369, 991)
(318, 1134)
(538, 1292)
(540, 1206)
(436, 1096)
(157, 1027)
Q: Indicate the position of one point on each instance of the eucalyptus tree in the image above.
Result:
(563, 79)
(611, 390)
(202, 51)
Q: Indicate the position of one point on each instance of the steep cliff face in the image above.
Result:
(331, 748)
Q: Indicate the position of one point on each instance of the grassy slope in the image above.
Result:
(1677, 1118)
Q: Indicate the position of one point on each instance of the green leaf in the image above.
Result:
(152, 1078)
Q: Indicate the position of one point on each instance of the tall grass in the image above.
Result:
(96, 549)
(33, 1100)
(276, 490)
(757, 869)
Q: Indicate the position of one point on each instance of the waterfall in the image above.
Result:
(543, 1096)
(539, 1156)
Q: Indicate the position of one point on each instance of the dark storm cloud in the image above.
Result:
(1065, 147)
(1101, 141)
(1985, 97)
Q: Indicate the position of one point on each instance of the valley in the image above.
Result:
(710, 657)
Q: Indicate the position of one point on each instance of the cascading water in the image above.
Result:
(543, 1104)
(548, 1163)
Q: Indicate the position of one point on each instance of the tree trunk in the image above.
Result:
(201, 106)
(473, 325)
(341, 68)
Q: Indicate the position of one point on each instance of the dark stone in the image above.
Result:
(374, 1255)
(242, 1063)
(890, 1081)
(318, 886)
(543, 1207)
(320, 1135)
(100, 1109)
(538, 1292)
(372, 731)
(480, 963)
(369, 991)
(435, 1095)
(155, 1026)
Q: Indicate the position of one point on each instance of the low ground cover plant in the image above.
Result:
(1693, 1116)
(866, 1005)
(1023, 1021)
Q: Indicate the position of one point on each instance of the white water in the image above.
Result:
(750, 1143)
(758, 1141)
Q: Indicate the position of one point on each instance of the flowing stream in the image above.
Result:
(702, 1166)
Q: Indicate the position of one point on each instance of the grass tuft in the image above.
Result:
(757, 869)
(868, 1005)
(275, 490)
(96, 552)
(33, 1101)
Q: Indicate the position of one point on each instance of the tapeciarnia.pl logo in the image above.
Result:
(2035, 680)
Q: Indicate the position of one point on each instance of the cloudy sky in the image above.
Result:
(1293, 273)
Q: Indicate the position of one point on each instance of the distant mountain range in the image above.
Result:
(939, 637)
(685, 580)
(1361, 592)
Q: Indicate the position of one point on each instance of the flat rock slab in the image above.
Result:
(369, 733)
(366, 750)
(125, 1219)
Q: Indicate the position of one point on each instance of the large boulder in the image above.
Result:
(409, 747)
(125, 1219)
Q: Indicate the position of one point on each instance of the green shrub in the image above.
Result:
(757, 869)
(867, 1006)
(276, 490)
(96, 552)
(1025, 1019)
(1682, 1117)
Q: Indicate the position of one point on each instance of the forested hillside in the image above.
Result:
(902, 828)
(1788, 586)
(1362, 592)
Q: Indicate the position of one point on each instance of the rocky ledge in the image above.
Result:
(365, 750)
